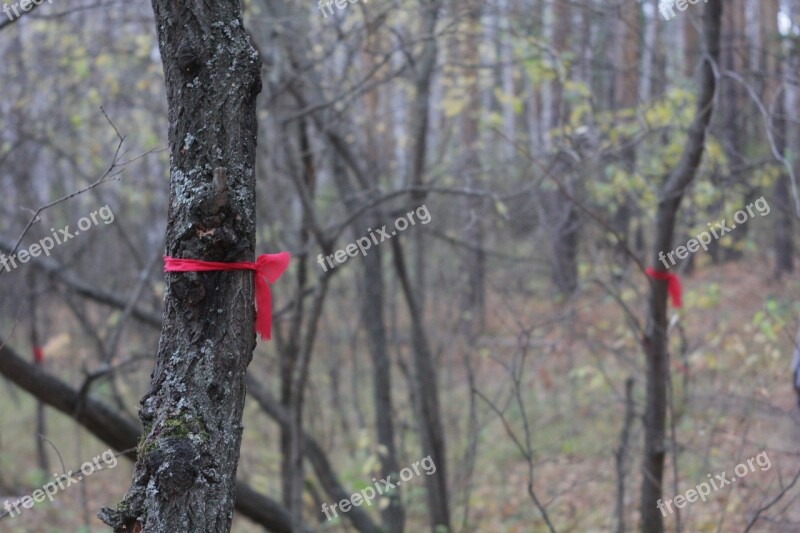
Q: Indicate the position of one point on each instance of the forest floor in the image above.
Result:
(732, 399)
(731, 346)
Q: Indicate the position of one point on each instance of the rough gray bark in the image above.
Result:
(655, 338)
(185, 474)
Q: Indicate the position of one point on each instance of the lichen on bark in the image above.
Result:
(186, 461)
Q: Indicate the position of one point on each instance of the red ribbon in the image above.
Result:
(268, 268)
(38, 355)
(673, 284)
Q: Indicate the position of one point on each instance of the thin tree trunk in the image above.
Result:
(784, 217)
(621, 456)
(316, 456)
(649, 52)
(425, 398)
(373, 305)
(475, 262)
(626, 92)
(566, 222)
(393, 514)
(424, 376)
(186, 470)
(655, 338)
(783, 224)
(41, 427)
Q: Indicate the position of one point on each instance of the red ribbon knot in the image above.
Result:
(673, 284)
(268, 268)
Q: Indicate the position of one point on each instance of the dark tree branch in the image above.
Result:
(120, 432)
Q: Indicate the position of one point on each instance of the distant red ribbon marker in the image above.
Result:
(673, 284)
(268, 268)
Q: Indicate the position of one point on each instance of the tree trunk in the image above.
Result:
(784, 216)
(424, 376)
(186, 469)
(565, 222)
(784, 129)
(655, 338)
(393, 515)
(425, 397)
(40, 433)
(783, 224)
(626, 96)
(474, 262)
(372, 307)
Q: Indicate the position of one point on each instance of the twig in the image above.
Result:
(772, 502)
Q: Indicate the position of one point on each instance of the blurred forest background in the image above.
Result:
(510, 331)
